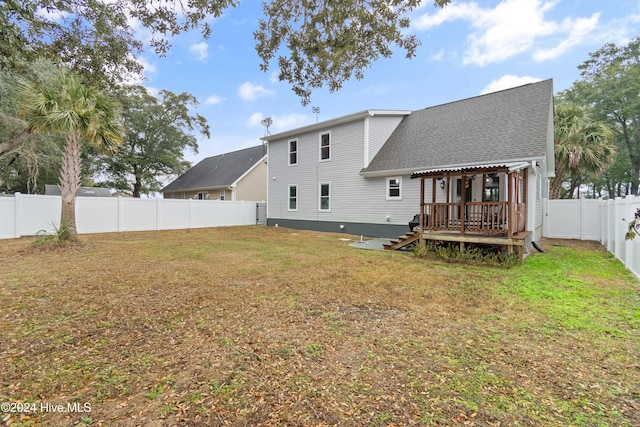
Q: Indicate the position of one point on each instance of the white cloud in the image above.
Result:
(508, 81)
(52, 15)
(280, 122)
(510, 28)
(200, 50)
(578, 30)
(439, 56)
(153, 91)
(213, 100)
(620, 31)
(274, 77)
(255, 119)
(250, 91)
(149, 67)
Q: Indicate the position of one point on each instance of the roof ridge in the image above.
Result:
(485, 94)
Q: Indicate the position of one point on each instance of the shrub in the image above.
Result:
(472, 254)
(55, 235)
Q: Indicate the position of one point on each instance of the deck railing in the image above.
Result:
(479, 217)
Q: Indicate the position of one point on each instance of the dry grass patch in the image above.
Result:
(268, 326)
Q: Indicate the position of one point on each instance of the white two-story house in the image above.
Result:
(478, 166)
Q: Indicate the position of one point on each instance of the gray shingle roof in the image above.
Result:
(508, 125)
(217, 171)
(54, 190)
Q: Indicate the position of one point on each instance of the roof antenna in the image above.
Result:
(316, 111)
(266, 123)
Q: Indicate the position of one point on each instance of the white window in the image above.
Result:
(222, 194)
(202, 196)
(293, 152)
(394, 188)
(324, 202)
(325, 146)
(293, 198)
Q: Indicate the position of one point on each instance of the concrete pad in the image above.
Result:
(373, 244)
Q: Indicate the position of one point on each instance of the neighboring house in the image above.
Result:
(54, 190)
(239, 175)
(488, 157)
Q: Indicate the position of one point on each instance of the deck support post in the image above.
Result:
(421, 241)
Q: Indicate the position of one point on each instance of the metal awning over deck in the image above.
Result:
(466, 169)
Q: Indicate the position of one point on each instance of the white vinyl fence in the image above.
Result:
(605, 221)
(25, 215)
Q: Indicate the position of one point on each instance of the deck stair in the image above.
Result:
(402, 241)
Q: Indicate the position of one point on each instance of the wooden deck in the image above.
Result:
(516, 242)
(477, 204)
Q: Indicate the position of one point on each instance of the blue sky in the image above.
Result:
(468, 48)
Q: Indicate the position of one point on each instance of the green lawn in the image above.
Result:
(269, 326)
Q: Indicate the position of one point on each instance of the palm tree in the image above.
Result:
(582, 146)
(82, 114)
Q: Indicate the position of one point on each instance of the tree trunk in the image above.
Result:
(21, 136)
(69, 183)
(137, 186)
(14, 143)
(555, 187)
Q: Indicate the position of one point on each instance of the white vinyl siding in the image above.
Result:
(380, 128)
(353, 198)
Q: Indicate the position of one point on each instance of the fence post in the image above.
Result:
(545, 217)
(628, 216)
(611, 241)
(603, 224)
(581, 209)
(17, 224)
(617, 225)
(157, 214)
(120, 214)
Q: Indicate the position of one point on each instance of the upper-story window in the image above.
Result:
(394, 188)
(325, 146)
(293, 152)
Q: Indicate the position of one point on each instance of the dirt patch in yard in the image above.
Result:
(267, 326)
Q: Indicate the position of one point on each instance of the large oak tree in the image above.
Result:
(159, 130)
(313, 42)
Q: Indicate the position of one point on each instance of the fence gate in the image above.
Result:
(261, 213)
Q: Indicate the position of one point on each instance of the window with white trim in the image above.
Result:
(394, 188)
(222, 194)
(202, 196)
(293, 152)
(324, 202)
(293, 198)
(325, 146)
